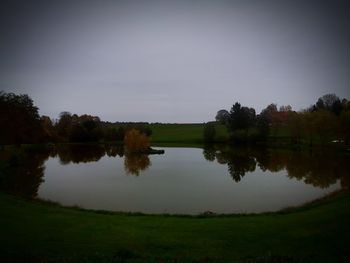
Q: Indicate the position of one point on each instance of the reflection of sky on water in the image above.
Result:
(180, 181)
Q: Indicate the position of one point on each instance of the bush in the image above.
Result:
(135, 141)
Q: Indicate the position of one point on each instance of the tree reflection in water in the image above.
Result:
(238, 164)
(209, 152)
(80, 153)
(22, 170)
(135, 163)
(320, 169)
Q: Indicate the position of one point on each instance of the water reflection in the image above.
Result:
(135, 163)
(22, 169)
(209, 152)
(80, 153)
(238, 163)
(320, 169)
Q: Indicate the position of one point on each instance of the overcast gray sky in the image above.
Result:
(173, 61)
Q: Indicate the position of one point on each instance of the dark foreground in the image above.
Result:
(43, 232)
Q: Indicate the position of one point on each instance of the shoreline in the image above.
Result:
(207, 214)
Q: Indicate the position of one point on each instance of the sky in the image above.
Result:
(173, 61)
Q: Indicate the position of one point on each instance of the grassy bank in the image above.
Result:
(40, 232)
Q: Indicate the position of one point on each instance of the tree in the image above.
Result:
(330, 102)
(222, 116)
(135, 141)
(310, 128)
(268, 112)
(241, 118)
(91, 126)
(78, 133)
(74, 128)
(276, 118)
(345, 126)
(114, 134)
(296, 127)
(120, 134)
(286, 108)
(49, 133)
(337, 107)
(64, 124)
(319, 104)
(324, 123)
(270, 109)
(263, 125)
(19, 119)
(209, 132)
(345, 104)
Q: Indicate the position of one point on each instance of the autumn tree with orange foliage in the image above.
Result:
(135, 141)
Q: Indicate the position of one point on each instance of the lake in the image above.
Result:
(216, 179)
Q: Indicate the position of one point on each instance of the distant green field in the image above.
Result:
(183, 133)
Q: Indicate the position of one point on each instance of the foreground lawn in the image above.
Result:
(42, 232)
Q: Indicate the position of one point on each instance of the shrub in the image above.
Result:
(135, 141)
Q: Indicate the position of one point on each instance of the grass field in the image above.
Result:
(183, 133)
(42, 232)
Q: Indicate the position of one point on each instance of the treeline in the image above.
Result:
(326, 120)
(86, 128)
(20, 123)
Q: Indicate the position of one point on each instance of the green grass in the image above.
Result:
(183, 133)
(42, 232)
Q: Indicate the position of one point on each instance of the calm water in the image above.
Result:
(183, 180)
